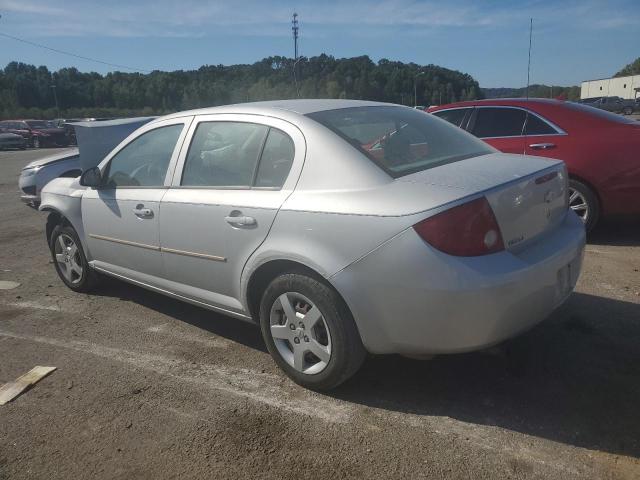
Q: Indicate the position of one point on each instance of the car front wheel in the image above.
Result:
(584, 202)
(70, 261)
(35, 142)
(310, 332)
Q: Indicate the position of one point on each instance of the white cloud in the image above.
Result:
(191, 18)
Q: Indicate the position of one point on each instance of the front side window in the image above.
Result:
(145, 160)
(401, 140)
(499, 122)
(455, 116)
(224, 154)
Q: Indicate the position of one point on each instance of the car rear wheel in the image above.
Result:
(584, 202)
(627, 110)
(35, 141)
(310, 332)
(70, 261)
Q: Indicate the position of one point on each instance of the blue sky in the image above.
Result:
(573, 40)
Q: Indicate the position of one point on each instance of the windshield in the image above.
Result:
(37, 124)
(401, 140)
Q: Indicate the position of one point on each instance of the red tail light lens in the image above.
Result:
(468, 230)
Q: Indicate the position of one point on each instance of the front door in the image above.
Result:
(121, 217)
(225, 194)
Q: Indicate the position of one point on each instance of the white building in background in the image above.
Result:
(623, 87)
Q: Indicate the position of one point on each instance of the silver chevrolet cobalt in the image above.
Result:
(341, 227)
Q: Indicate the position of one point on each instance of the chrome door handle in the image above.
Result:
(240, 221)
(141, 212)
(542, 146)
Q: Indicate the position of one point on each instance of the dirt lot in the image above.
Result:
(148, 387)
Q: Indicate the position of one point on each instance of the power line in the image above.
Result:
(28, 42)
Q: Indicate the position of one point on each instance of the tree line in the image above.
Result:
(535, 91)
(27, 91)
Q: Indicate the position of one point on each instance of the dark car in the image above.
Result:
(612, 104)
(11, 140)
(37, 133)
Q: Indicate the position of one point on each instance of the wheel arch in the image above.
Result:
(581, 179)
(262, 275)
(56, 217)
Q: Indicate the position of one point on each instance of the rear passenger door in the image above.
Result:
(500, 127)
(228, 186)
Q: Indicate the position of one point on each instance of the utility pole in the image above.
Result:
(55, 96)
(294, 29)
(415, 89)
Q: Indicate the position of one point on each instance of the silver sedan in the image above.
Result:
(341, 227)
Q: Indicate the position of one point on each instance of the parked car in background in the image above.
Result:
(37, 133)
(279, 212)
(612, 104)
(599, 148)
(11, 140)
(38, 173)
(98, 140)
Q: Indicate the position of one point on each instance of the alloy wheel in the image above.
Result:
(300, 333)
(578, 203)
(68, 258)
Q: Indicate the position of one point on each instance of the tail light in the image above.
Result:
(468, 230)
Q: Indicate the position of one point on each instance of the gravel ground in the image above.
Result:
(148, 387)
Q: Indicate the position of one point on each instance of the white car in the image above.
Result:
(38, 173)
(95, 140)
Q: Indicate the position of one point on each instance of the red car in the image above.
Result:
(37, 133)
(601, 149)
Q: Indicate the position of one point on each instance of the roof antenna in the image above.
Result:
(529, 64)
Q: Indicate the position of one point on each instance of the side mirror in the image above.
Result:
(91, 178)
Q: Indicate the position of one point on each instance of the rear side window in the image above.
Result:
(537, 126)
(401, 140)
(499, 122)
(276, 160)
(145, 160)
(455, 116)
(224, 154)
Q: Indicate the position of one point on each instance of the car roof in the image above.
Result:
(277, 107)
(501, 101)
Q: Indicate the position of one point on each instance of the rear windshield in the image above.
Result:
(401, 140)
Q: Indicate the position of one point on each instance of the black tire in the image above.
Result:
(89, 278)
(627, 111)
(593, 205)
(35, 142)
(347, 351)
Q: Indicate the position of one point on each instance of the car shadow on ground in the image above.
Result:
(618, 232)
(572, 379)
(239, 331)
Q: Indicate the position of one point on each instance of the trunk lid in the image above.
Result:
(529, 207)
(528, 195)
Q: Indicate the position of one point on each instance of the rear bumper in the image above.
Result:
(407, 297)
